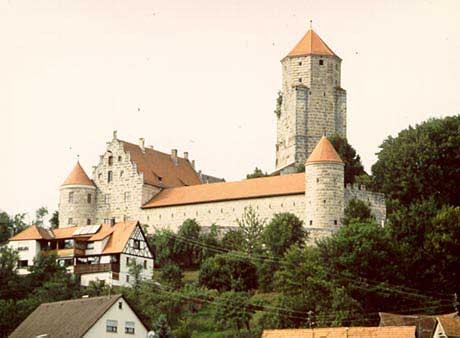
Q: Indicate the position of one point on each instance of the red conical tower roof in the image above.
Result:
(324, 152)
(311, 44)
(78, 177)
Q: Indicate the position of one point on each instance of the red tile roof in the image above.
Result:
(324, 152)
(344, 332)
(311, 44)
(159, 169)
(33, 232)
(225, 191)
(450, 325)
(78, 177)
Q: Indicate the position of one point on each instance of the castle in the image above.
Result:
(137, 182)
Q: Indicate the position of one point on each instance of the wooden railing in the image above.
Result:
(94, 268)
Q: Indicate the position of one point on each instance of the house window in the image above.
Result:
(127, 260)
(22, 264)
(127, 196)
(109, 176)
(88, 198)
(90, 246)
(23, 248)
(145, 264)
(120, 305)
(111, 325)
(136, 244)
(160, 179)
(110, 160)
(88, 221)
(127, 278)
(129, 327)
(69, 221)
(71, 197)
(321, 62)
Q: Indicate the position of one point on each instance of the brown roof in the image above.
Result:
(425, 324)
(78, 177)
(33, 232)
(324, 152)
(311, 44)
(70, 318)
(450, 325)
(344, 332)
(159, 169)
(119, 235)
(225, 191)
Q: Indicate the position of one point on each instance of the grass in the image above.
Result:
(191, 276)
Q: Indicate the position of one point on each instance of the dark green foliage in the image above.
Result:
(97, 288)
(11, 225)
(353, 165)
(8, 277)
(251, 226)
(162, 329)
(233, 240)
(357, 211)
(233, 309)
(210, 244)
(284, 230)
(228, 271)
(186, 246)
(266, 269)
(171, 276)
(40, 215)
(54, 220)
(162, 241)
(256, 174)
(421, 162)
(279, 102)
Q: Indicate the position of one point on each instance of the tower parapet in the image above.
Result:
(77, 205)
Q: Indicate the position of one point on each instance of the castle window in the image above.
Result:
(221, 211)
(300, 63)
(335, 222)
(69, 221)
(107, 199)
(88, 221)
(110, 160)
(99, 176)
(121, 174)
(300, 79)
(119, 158)
(317, 180)
(127, 196)
(71, 197)
(88, 198)
(311, 222)
(324, 201)
(321, 62)
(109, 176)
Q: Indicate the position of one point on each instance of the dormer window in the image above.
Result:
(110, 160)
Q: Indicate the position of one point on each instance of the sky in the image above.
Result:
(202, 76)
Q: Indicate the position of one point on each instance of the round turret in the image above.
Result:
(77, 205)
(324, 176)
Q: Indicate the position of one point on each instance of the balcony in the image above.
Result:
(94, 268)
(63, 252)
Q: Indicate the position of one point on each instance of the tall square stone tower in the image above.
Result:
(313, 102)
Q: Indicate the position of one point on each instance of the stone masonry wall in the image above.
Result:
(123, 196)
(223, 214)
(375, 200)
(80, 210)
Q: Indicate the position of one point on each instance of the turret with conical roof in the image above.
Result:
(313, 102)
(324, 179)
(77, 205)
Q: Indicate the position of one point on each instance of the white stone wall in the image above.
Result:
(121, 316)
(314, 105)
(375, 200)
(78, 210)
(93, 277)
(223, 214)
(126, 191)
(325, 198)
(124, 269)
(33, 248)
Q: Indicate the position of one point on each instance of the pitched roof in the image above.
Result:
(78, 177)
(225, 191)
(311, 44)
(119, 235)
(159, 169)
(425, 324)
(70, 318)
(343, 332)
(324, 152)
(450, 325)
(33, 232)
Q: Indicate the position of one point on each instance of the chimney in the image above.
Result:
(142, 144)
(174, 156)
(112, 221)
(186, 155)
(114, 134)
(193, 164)
(150, 146)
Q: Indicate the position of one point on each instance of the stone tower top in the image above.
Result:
(78, 177)
(311, 44)
(324, 152)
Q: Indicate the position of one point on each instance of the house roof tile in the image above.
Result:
(344, 332)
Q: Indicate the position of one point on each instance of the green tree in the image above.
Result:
(256, 174)
(284, 230)
(163, 242)
(11, 225)
(171, 275)
(234, 309)
(251, 227)
(229, 271)
(97, 288)
(279, 102)
(54, 220)
(8, 277)
(210, 243)
(357, 211)
(186, 246)
(232, 240)
(421, 162)
(40, 215)
(161, 328)
(352, 161)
